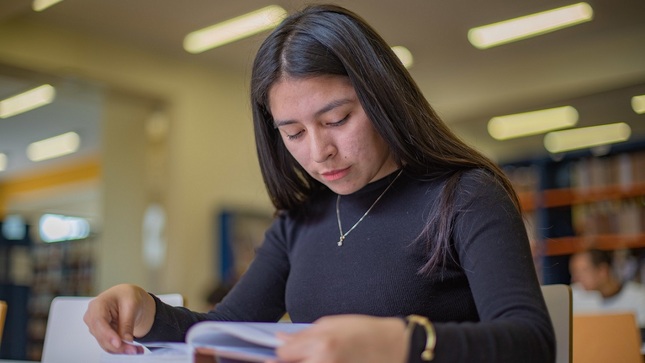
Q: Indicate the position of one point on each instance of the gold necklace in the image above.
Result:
(340, 228)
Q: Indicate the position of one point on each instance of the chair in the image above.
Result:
(67, 338)
(559, 304)
(3, 314)
(606, 337)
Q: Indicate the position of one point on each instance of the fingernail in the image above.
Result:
(130, 349)
(116, 342)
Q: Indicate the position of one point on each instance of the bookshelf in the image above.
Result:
(15, 290)
(581, 201)
(58, 269)
(32, 273)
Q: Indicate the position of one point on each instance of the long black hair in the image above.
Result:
(330, 40)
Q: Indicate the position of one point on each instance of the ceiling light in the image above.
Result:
(405, 56)
(53, 147)
(532, 123)
(234, 29)
(26, 101)
(3, 162)
(529, 26)
(14, 227)
(40, 5)
(638, 104)
(57, 228)
(559, 141)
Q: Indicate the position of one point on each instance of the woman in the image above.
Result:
(382, 214)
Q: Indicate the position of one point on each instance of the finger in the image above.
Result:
(301, 334)
(98, 318)
(296, 347)
(285, 337)
(126, 318)
(133, 348)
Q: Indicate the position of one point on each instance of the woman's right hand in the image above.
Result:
(119, 314)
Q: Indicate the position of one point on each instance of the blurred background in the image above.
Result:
(159, 184)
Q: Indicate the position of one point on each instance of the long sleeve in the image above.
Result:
(494, 253)
(258, 296)
(485, 301)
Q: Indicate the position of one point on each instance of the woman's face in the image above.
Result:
(325, 128)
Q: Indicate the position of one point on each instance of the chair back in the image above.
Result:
(3, 315)
(606, 337)
(559, 303)
(68, 339)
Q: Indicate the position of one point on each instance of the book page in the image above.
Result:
(163, 352)
(262, 334)
(247, 342)
(237, 341)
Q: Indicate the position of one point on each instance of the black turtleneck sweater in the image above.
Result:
(485, 301)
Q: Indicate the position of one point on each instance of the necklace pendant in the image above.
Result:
(340, 227)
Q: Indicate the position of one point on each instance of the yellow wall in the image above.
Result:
(211, 156)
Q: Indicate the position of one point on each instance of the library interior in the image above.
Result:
(156, 180)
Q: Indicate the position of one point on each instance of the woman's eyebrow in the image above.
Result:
(328, 107)
(332, 105)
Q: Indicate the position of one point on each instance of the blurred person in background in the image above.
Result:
(596, 286)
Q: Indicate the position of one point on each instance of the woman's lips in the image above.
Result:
(335, 174)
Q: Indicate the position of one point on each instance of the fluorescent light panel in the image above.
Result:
(53, 147)
(27, 101)
(3, 161)
(507, 31)
(40, 5)
(405, 56)
(58, 228)
(566, 140)
(532, 123)
(234, 29)
(638, 104)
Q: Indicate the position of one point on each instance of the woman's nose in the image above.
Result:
(322, 148)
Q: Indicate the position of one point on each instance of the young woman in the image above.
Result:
(382, 214)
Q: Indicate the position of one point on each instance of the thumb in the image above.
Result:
(126, 323)
(284, 336)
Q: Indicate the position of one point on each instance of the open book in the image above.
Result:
(215, 341)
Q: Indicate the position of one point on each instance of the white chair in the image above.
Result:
(559, 303)
(67, 338)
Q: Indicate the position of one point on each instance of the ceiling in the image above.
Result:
(596, 66)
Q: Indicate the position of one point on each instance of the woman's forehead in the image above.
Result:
(291, 93)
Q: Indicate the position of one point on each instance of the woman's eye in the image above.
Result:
(338, 123)
(294, 136)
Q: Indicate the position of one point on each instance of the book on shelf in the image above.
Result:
(215, 341)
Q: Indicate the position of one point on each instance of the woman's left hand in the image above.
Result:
(347, 339)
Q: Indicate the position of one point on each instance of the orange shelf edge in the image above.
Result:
(570, 245)
(566, 196)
